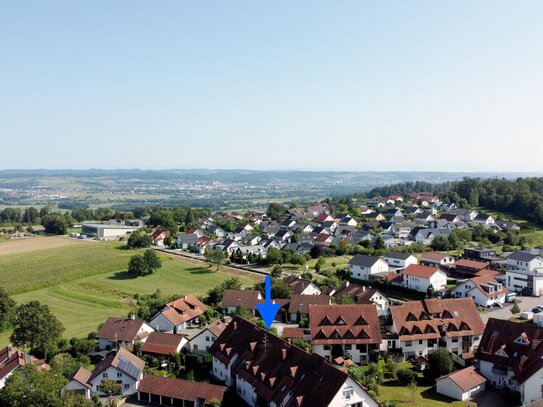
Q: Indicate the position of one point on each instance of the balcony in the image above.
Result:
(500, 370)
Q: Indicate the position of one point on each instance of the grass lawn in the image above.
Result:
(97, 286)
(425, 396)
(340, 262)
(33, 270)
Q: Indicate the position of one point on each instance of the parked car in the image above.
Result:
(537, 309)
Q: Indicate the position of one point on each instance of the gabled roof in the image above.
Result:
(335, 324)
(523, 256)
(120, 329)
(297, 284)
(181, 389)
(418, 270)
(434, 256)
(471, 264)
(482, 281)
(247, 298)
(124, 361)
(524, 359)
(466, 378)
(161, 343)
(183, 309)
(82, 377)
(275, 368)
(398, 255)
(456, 316)
(359, 293)
(301, 303)
(11, 358)
(363, 260)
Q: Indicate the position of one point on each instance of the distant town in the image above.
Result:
(427, 297)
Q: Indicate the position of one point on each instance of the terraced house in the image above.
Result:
(422, 326)
(337, 330)
(268, 371)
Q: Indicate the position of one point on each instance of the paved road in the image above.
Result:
(525, 304)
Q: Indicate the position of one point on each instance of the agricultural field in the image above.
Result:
(96, 284)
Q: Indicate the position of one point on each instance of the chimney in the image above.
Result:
(235, 325)
(132, 316)
(363, 288)
(347, 284)
(283, 354)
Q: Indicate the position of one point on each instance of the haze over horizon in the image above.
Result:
(356, 86)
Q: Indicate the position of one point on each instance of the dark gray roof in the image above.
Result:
(398, 255)
(522, 256)
(363, 261)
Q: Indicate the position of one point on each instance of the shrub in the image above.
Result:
(405, 376)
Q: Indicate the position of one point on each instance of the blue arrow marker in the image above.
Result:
(268, 311)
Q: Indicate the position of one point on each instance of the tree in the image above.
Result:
(275, 210)
(152, 260)
(139, 240)
(405, 376)
(440, 363)
(215, 295)
(35, 327)
(30, 387)
(276, 271)
(274, 256)
(55, 224)
(214, 256)
(515, 309)
(345, 300)
(214, 403)
(379, 243)
(189, 218)
(31, 215)
(279, 289)
(110, 387)
(137, 266)
(64, 364)
(7, 306)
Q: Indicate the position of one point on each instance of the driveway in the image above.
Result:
(490, 398)
(525, 304)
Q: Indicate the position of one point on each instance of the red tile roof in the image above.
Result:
(418, 270)
(120, 329)
(339, 324)
(466, 378)
(425, 319)
(181, 389)
(479, 281)
(434, 256)
(297, 284)
(82, 376)
(247, 298)
(183, 309)
(301, 303)
(293, 332)
(160, 343)
(471, 264)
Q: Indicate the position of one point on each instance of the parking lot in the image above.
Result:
(525, 304)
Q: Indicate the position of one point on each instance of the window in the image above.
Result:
(408, 343)
(420, 342)
(126, 386)
(104, 375)
(454, 340)
(326, 347)
(348, 393)
(195, 347)
(348, 347)
(119, 374)
(208, 339)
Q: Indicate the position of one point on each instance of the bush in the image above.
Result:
(405, 376)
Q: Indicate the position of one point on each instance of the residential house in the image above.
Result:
(461, 384)
(471, 268)
(511, 357)
(427, 236)
(525, 272)
(419, 278)
(467, 215)
(484, 290)
(125, 332)
(159, 236)
(122, 367)
(424, 325)
(289, 223)
(479, 254)
(324, 217)
(161, 344)
(449, 217)
(437, 259)
(167, 391)
(246, 298)
(348, 220)
(400, 260)
(187, 241)
(507, 225)
(201, 342)
(362, 267)
(11, 359)
(283, 235)
(299, 304)
(302, 286)
(482, 219)
(362, 295)
(337, 330)
(324, 239)
(227, 245)
(178, 314)
(216, 231)
(79, 383)
(268, 371)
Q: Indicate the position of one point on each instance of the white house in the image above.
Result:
(79, 383)
(203, 341)
(11, 359)
(437, 259)
(481, 219)
(525, 272)
(362, 295)
(362, 266)
(278, 373)
(510, 357)
(177, 315)
(302, 286)
(125, 332)
(400, 260)
(122, 367)
(422, 326)
(420, 278)
(484, 290)
(462, 384)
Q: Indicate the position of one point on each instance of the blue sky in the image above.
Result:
(350, 85)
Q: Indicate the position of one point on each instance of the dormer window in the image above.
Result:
(521, 340)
